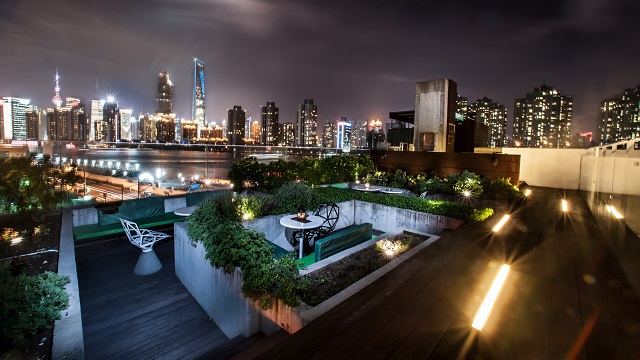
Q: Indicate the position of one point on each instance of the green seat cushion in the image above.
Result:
(133, 210)
(342, 240)
(279, 251)
(96, 230)
(306, 261)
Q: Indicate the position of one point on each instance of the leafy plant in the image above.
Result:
(257, 205)
(292, 196)
(271, 280)
(501, 189)
(29, 304)
(466, 182)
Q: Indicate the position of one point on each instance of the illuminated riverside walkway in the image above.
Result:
(566, 296)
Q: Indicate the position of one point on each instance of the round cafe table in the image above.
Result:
(291, 221)
(185, 211)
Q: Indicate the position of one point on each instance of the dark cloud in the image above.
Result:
(354, 58)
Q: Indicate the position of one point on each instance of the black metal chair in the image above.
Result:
(330, 212)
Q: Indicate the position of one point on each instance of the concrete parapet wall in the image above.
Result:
(85, 216)
(172, 203)
(389, 219)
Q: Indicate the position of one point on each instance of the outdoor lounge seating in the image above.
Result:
(330, 212)
(148, 262)
(342, 240)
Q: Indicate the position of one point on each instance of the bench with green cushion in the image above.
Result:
(96, 230)
(342, 240)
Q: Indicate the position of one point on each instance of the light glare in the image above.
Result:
(490, 299)
(501, 223)
(612, 210)
(565, 206)
(527, 192)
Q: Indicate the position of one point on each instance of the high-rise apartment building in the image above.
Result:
(329, 135)
(247, 128)
(165, 127)
(462, 108)
(95, 122)
(147, 127)
(14, 118)
(255, 132)
(618, 117)
(359, 130)
(164, 96)
(288, 134)
(198, 109)
(494, 115)
(307, 118)
(269, 121)
(343, 134)
(236, 118)
(543, 119)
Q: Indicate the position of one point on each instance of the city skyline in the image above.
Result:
(360, 66)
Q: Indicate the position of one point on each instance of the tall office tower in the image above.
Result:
(198, 113)
(618, 117)
(255, 132)
(329, 135)
(125, 124)
(1, 118)
(306, 132)
(235, 121)
(147, 126)
(269, 121)
(135, 128)
(75, 119)
(165, 127)
(359, 130)
(225, 129)
(287, 135)
(53, 124)
(96, 131)
(434, 121)
(164, 97)
(32, 118)
(247, 128)
(110, 121)
(494, 115)
(343, 134)
(462, 108)
(543, 118)
(14, 118)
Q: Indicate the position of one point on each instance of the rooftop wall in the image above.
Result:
(555, 168)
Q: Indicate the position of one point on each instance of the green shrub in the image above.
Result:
(290, 197)
(247, 172)
(29, 304)
(272, 280)
(500, 189)
(467, 181)
(436, 207)
(257, 205)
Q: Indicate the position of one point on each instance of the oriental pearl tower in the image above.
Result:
(57, 99)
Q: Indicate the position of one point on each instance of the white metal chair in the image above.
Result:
(148, 262)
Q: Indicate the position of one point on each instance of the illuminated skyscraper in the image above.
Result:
(287, 135)
(236, 118)
(543, 119)
(307, 117)
(198, 113)
(255, 132)
(95, 131)
(125, 124)
(164, 97)
(32, 116)
(343, 134)
(14, 118)
(269, 121)
(619, 118)
(111, 121)
(57, 99)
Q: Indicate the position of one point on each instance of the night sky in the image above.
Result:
(359, 59)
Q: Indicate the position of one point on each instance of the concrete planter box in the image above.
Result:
(220, 294)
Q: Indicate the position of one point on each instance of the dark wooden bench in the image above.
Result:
(341, 240)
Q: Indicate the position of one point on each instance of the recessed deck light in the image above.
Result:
(501, 223)
(490, 299)
(565, 206)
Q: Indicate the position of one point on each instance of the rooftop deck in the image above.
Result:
(125, 316)
(566, 296)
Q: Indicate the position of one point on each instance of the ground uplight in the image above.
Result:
(565, 206)
(501, 223)
(490, 299)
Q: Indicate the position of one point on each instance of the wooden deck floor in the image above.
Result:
(125, 316)
(565, 297)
